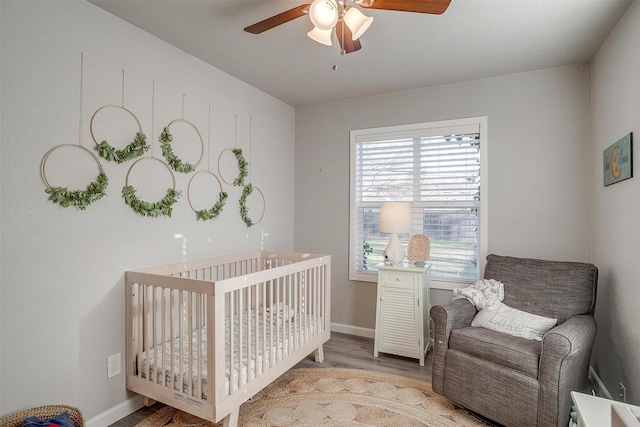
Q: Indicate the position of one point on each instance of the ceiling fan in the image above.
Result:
(344, 18)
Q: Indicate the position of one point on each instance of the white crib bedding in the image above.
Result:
(169, 352)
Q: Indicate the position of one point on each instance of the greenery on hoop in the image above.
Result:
(242, 167)
(246, 191)
(173, 160)
(137, 148)
(79, 198)
(160, 208)
(207, 214)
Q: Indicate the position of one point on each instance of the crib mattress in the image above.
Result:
(285, 330)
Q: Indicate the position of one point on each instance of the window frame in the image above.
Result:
(480, 121)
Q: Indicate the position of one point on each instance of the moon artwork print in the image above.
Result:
(618, 161)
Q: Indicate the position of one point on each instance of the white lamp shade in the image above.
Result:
(324, 14)
(394, 217)
(357, 22)
(321, 36)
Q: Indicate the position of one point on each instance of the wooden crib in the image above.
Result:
(205, 336)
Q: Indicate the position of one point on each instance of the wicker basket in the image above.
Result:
(43, 412)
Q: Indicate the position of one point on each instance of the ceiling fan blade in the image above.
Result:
(435, 7)
(278, 19)
(344, 38)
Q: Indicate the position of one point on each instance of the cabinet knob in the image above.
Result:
(397, 279)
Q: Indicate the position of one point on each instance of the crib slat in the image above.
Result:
(232, 344)
(263, 323)
(148, 345)
(189, 350)
(179, 383)
(250, 354)
(198, 391)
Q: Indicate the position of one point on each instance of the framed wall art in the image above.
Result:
(618, 160)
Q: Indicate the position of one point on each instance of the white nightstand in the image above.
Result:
(402, 311)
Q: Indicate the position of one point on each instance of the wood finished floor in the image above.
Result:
(341, 351)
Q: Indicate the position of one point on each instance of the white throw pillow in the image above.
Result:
(503, 318)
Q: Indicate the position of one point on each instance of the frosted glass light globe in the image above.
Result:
(324, 14)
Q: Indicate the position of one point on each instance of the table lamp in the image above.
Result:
(394, 219)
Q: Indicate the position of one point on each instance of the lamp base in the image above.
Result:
(393, 253)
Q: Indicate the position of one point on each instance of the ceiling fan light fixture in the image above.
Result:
(357, 22)
(324, 14)
(321, 36)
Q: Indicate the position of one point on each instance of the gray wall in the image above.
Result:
(616, 210)
(538, 159)
(62, 278)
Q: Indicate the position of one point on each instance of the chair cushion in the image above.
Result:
(512, 321)
(516, 353)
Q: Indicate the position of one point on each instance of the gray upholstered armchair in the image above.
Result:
(516, 381)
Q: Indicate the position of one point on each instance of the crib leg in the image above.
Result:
(231, 420)
(319, 354)
(147, 401)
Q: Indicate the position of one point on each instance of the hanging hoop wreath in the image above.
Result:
(162, 207)
(214, 212)
(136, 149)
(78, 198)
(174, 162)
(247, 190)
(242, 167)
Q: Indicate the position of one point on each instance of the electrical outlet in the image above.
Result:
(113, 365)
(623, 392)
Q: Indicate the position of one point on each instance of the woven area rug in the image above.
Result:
(336, 397)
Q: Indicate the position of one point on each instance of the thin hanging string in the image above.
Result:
(209, 143)
(123, 88)
(183, 95)
(153, 115)
(81, 84)
(250, 139)
(235, 142)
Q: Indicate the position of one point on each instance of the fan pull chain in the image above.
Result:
(343, 51)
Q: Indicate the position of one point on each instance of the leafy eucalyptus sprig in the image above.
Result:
(207, 214)
(137, 148)
(246, 191)
(160, 208)
(173, 160)
(242, 167)
(79, 198)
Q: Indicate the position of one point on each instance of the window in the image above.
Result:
(436, 167)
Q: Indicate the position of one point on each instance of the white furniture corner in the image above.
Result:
(402, 311)
(594, 411)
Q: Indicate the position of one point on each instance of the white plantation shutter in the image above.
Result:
(435, 168)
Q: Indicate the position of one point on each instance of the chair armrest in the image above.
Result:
(564, 367)
(454, 315)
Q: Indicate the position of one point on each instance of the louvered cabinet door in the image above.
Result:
(403, 303)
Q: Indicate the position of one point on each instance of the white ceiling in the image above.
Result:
(473, 39)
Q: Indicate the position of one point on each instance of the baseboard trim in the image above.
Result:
(116, 413)
(353, 330)
(601, 390)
